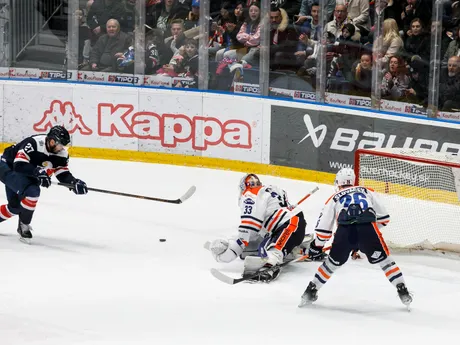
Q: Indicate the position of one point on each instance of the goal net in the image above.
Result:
(421, 191)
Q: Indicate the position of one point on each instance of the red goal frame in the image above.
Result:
(397, 156)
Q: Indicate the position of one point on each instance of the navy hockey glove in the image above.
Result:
(43, 179)
(315, 253)
(79, 187)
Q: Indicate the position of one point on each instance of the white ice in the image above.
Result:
(96, 273)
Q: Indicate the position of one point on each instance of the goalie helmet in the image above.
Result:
(345, 177)
(249, 181)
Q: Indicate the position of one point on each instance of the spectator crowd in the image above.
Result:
(107, 30)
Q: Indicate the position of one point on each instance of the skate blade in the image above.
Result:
(25, 240)
(304, 302)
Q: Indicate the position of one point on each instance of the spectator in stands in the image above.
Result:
(449, 88)
(230, 44)
(358, 11)
(306, 9)
(157, 53)
(84, 40)
(249, 34)
(176, 37)
(417, 91)
(283, 40)
(292, 7)
(453, 49)
(417, 45)
(416, 9)
(103, 10)
(340, 19)
(193, 17)
(226, 14)
(108, 48)
(309, 25)
(362, 75)
(185, 62)
(161, 14)
(391, 40)
(347, 51)
(239, 13)
(395, 80)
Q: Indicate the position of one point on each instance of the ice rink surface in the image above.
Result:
(96, 273)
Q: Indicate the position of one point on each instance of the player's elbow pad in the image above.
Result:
(234, 249)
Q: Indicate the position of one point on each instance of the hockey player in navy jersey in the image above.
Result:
(27, 166)
(268, 220)
(359, 214)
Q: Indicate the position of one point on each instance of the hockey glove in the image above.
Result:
(43, 179)
(79, 187)
(315, 253)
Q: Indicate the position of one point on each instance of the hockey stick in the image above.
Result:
(184, 197)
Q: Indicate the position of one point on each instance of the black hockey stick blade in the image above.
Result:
(183, 198)
(232, 281)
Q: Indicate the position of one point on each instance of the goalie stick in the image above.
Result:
(183, 198)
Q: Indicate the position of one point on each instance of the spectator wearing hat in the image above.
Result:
(193, 17)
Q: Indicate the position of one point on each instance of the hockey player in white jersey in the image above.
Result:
(268, 220)
(359, 215)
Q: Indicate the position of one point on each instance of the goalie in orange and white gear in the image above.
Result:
(267, 219)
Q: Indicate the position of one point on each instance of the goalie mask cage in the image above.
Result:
(420, 190)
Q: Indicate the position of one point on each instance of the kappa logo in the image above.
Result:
(317, 140)
(62, 113)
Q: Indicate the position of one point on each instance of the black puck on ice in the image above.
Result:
(162, 239)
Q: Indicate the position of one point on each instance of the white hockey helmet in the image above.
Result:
(345, 177)
(249, 181)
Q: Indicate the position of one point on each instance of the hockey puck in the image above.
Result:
(162, 239)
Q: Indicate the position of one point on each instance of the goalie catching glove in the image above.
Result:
(226, 251)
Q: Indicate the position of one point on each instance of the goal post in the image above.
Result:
(421, 191)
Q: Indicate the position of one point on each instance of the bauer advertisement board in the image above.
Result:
(139, 119)
(322, 140)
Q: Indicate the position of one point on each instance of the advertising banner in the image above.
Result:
(326, 141)
(135, 119)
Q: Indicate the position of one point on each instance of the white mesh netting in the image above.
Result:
(422, 198)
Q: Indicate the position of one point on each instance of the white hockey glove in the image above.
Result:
(226, 251)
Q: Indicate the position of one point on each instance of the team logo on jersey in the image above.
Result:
(249, 201)
(317, 140)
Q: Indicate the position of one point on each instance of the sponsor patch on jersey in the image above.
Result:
(249, 201)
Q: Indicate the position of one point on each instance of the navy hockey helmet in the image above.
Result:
(59, 134)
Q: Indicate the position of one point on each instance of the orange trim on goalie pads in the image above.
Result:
(286, 234)
(380, 236)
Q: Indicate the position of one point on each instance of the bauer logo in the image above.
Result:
(64, 114)
(312, 132)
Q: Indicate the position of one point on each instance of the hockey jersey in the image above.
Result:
(31, 152)
(366, 198)
(263, 210)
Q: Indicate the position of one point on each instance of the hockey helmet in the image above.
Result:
(345, 177)
(60, 135)
(249, 181)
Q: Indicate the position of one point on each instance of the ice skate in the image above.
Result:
(309, 296)
(404, 295)
(24, 230)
